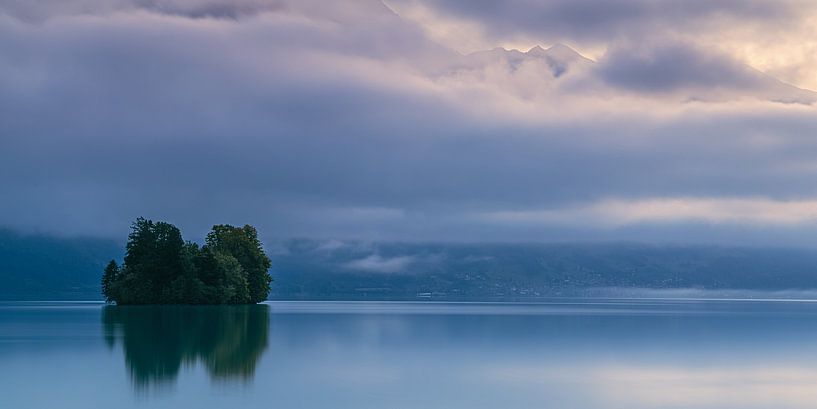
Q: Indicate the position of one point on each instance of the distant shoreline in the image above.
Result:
(600, 294)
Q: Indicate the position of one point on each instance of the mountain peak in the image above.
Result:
(536, 50)
(559, 58)
(561, 47)
(563, 52)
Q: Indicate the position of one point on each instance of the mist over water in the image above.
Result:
(562, 354)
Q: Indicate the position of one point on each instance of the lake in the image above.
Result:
(562, 354)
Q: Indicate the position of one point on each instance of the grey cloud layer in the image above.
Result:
(695, 72)
(562, 20)
(227, 9)
(353, 123)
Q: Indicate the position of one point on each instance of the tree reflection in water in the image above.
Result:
(157, 340)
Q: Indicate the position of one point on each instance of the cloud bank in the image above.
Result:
(378, 264)
(354, 119)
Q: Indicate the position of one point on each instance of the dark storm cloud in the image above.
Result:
(673, 66)
(561, 20)
(232, 9)
(305, 124)
(696, 72)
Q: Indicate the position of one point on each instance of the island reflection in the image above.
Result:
(158, 340)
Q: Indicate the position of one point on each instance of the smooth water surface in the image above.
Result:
(561, 355)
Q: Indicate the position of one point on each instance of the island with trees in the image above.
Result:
(161, 268)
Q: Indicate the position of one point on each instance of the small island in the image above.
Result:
(161, 268)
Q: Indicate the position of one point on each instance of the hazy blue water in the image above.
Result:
(562, 355)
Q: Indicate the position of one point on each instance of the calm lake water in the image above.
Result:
(561, 355)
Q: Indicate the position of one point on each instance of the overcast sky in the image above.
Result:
(688, 121)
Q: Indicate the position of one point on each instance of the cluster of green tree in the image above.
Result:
(161, 268)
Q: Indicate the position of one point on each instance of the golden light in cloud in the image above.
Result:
(617, 212)
(787, 52)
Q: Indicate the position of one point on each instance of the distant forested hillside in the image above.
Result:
(336, 269)
(41, 267)
(49, 268)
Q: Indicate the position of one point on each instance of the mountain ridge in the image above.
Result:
(48, 268)
(637, 75)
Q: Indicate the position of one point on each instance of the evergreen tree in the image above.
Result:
(154, 258)
(109, 279)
